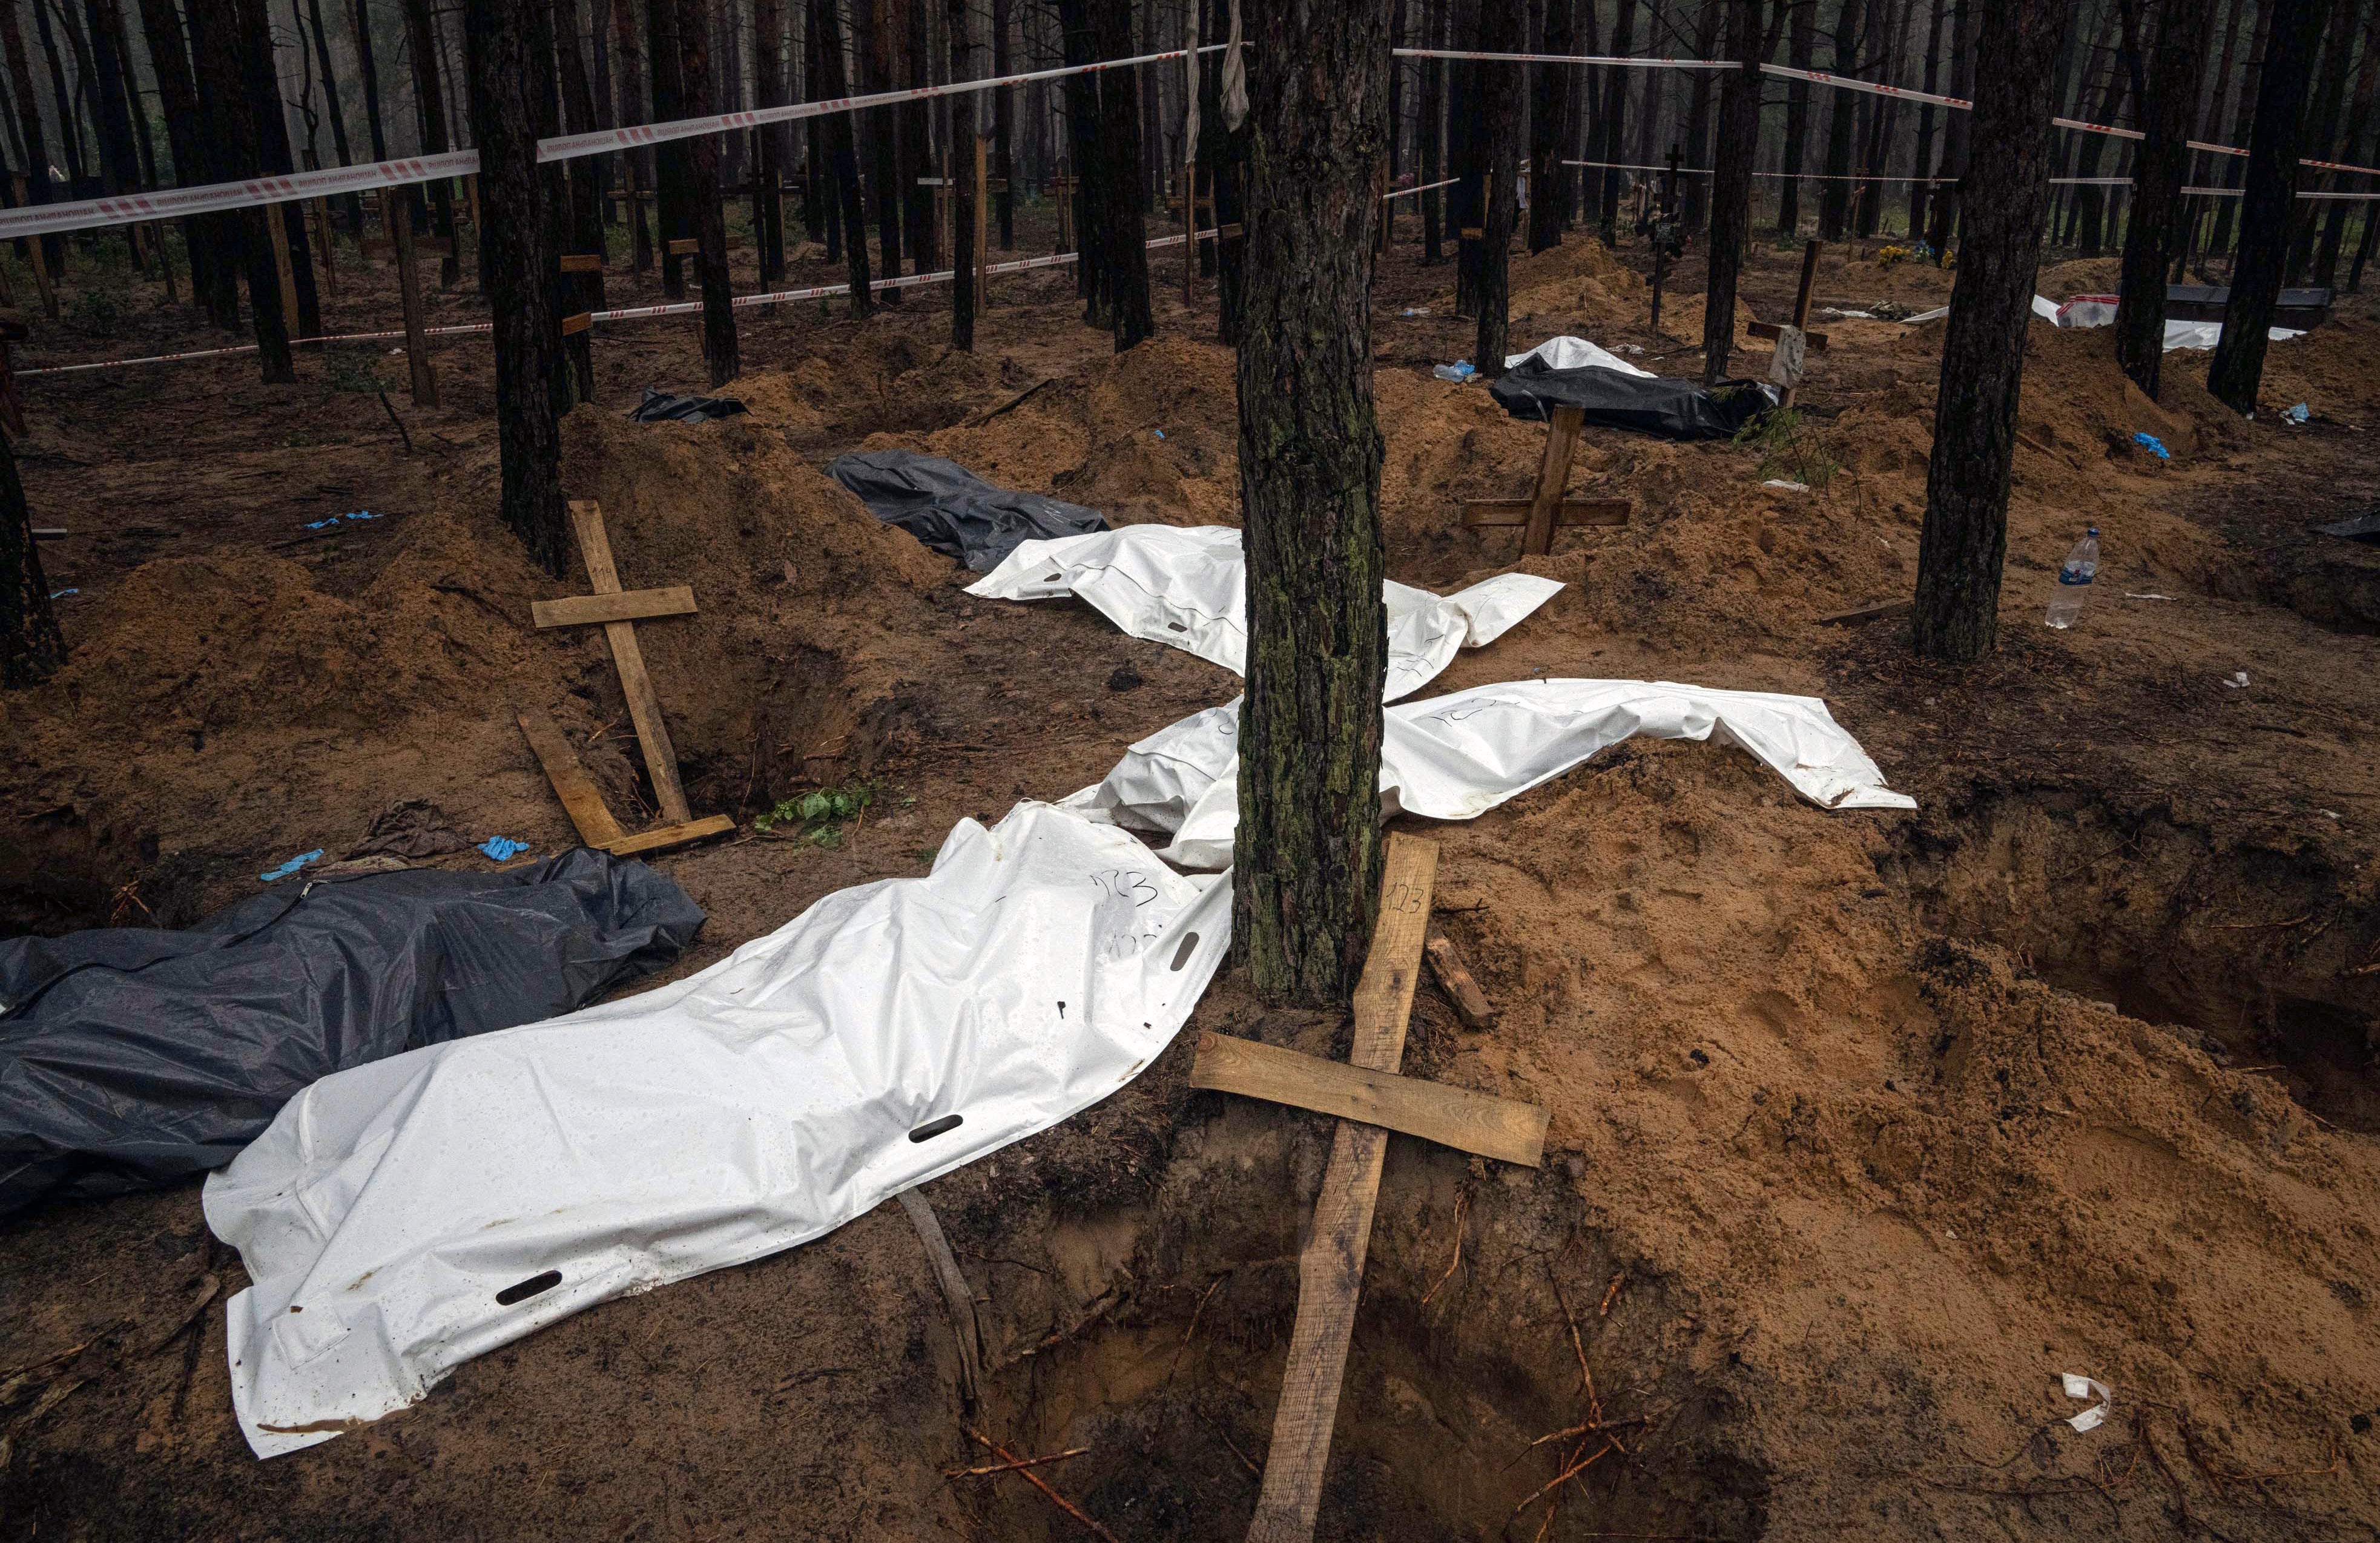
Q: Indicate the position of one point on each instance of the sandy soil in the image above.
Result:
(1864, 1126)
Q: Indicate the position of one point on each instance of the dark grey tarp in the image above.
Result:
(131, 1057)
(660, 407)
(953, 510)
(1663, 404)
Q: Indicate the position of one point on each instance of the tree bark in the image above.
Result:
(510, 50)
(2269, 203)
(1958, 129)
(581, 292)
(1834, 197)
(2156, 231)
(369, 71)
(634, 108)
(962, 200)
(1003, 129)
(1124, 244)
(2318, 125)
(231, 129)
(62, 99)
(1502, 25)
(2244, 120)
(1801, 51)
(1308, 851)
(211, 273)
(1431, 131)
(719, 347)
(1087, 141)
(908, 45)
(32, 647)
(826, 28)
(119, 159)
(1964, 539)
(1545, 174)
(1615, 116)
(2346, 147)
(1696, 209)
(29, 125)
(674, 210)
(776, 139)
(286, 220)
(422, 40)
(353, 203)
(1739, 144)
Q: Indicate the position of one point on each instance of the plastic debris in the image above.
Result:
(2298, 414)
(2088, 1387)
(2152, 442)
(660, 407)
(951, 510)
(1459, 371)
(1415, 310)
(2358, 528)
(2129, 595)
(1159, 432)
(2236, 679)
(1789, 486)
(61, 594)
(337, 519)
(292, 866)
(503, 849)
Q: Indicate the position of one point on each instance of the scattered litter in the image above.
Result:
(1789, 486)
(2089, 310)
(1186, 585)
(436, 1206)
(1415, 310)
(2088, 1387)
(61, 594)
(2358, 527)
(2327, 814)
(2129, 595)
(411, 827)
(137, 1056)
(1934, 315)
(1632, 349)
(2238, 678)
(1126, 679)
(339, 519)
(1849, 315)
(1611, 392)
(660, 407)
(1459, 371)
(292, 866)
(2153, 443)
(951, 510)
(2206, 334)
(502, 849)
(2298, 414)
(1456, 757)
(1159, 432)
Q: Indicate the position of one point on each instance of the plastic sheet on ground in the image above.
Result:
(1186, 585)
(1625, 397)
(660, 407)
(2206, 334)
(1576, 353)
(954, 511)
(135, 1056)
(1458, 755)
(403, 1218)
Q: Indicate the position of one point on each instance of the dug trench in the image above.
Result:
(1865, 1126)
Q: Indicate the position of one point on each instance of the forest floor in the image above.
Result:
(1865, 1126)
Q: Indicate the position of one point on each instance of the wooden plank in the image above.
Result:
(50, 533)
(1883, 609)
(577, 323)
(628, 605)
(1553, 475)
(1471, 1003)
(577, 790)
(1469, 1122)
(582, 262)
(1490, 513)
(957, 1295)
(628, 658)
(685, 245)
(1814, 342)
(1330, 1266)
(660, 836)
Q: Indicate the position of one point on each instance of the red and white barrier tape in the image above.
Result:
(1408, 192)
(1618, 61)
(622, 313)
(44, 219)
(1849, 83)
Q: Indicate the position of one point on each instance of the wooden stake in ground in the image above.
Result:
(32, 647)
(1330, 1266)
(2003, 199)
(510, 52)
(1310, 451)
(399, 201)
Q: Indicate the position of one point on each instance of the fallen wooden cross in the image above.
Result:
(1859, 615)
(1330, 1265)
(617, 612)
(1546, 509)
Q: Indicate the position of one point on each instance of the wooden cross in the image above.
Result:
(1816, 342)
(1546, 509)
(1370, 1099)
(617, 612)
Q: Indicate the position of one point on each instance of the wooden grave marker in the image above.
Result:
(617, 612)
(1814, 342)
(1369, 1097)
(1546, 509)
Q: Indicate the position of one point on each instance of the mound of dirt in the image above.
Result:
(2082, 276)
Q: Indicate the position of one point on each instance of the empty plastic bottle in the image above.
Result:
(1459, 371)
(2081, 567)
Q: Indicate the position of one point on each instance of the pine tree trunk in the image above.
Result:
(29, 122)
(288, 220)
(581, 292)
(1739, 144)
(211, 276)
(1958, 129)
(826, 29)
(1801, 49)
(2268, 205)
(351, 202)
(231, 128)
(962, 200)
(922, 236)
(2244, 120)
(673, 209)
(1307, 859)
(1003, 129)
(369, 71)
(1087, 141)
(1124, 244)
(708, 221)
(1467, 151)
(422, 40)
(1695, 207)
(119, 157)
(2346, 147)
(634, 108)
(32, 647)
(1546, 174)
(1502, 100)
(1920, 191)
(776, 138)
(1615, 119)
(1834, 196)
(2318, 127)
(62, 99)
(1431, 131)
(1964, 539)
(2158, 231)
(511, 70)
